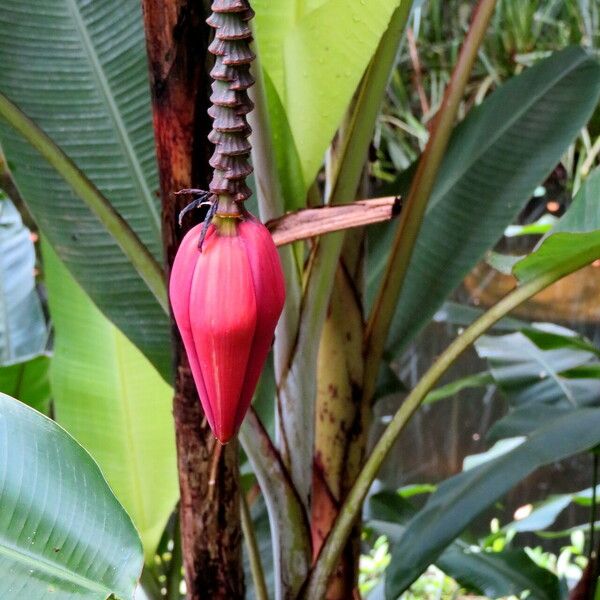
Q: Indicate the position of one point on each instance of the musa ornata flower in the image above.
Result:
(227, 297)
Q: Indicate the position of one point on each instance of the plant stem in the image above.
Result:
(258, 576)
(174, 577)
(289, 526)
(333, 312)
(317, 581)
(142, 260)
(418, 197)
(150, 584)
(593, 551)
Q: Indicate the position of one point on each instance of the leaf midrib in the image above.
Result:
(41, 563)
(538, 356)
(113, 110)
(460, 173)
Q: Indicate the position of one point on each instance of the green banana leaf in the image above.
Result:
(573, 242)
(78, 69)
(460, 499)
(315, 54)
(114, 403)
(63, 534)
(496, 158)
(500, 574)
(494, 574)
(539, 382)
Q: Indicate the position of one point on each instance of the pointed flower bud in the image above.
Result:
(227, 299)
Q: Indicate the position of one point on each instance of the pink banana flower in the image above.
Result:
(227, 299)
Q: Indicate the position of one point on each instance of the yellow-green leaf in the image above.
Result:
(111, 399)
(315, 52)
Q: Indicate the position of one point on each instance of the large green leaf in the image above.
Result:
(492, 573)
(573, 242)
(79, 70)
(23, 333)
(543, 374)
(495, 160)
(110, 398)
(63, 534)
(460, 499)
(315, 54)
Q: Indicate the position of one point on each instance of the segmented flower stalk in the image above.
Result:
(230, 101)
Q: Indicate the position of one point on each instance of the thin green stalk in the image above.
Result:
(141, 258)
(291, 546)
(175, 570)
(258, 576)
(418, 198)
(270, 195)
(331, 551)
(290, 531)
(268, 184)
(150, 584)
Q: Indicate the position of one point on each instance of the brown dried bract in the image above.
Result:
(231, 104)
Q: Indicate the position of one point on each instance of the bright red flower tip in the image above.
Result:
(227, 300)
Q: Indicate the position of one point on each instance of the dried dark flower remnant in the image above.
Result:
(230, 101)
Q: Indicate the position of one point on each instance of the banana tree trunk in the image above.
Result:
(177, 40)
(341, 419)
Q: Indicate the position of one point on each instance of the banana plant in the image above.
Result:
(90, 166)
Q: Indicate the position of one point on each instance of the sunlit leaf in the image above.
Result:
(110, 398)
(573, 242)
(315, 54)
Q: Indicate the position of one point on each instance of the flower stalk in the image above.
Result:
(230, 101)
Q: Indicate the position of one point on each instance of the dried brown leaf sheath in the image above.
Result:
(231, 104)
(311, 222)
